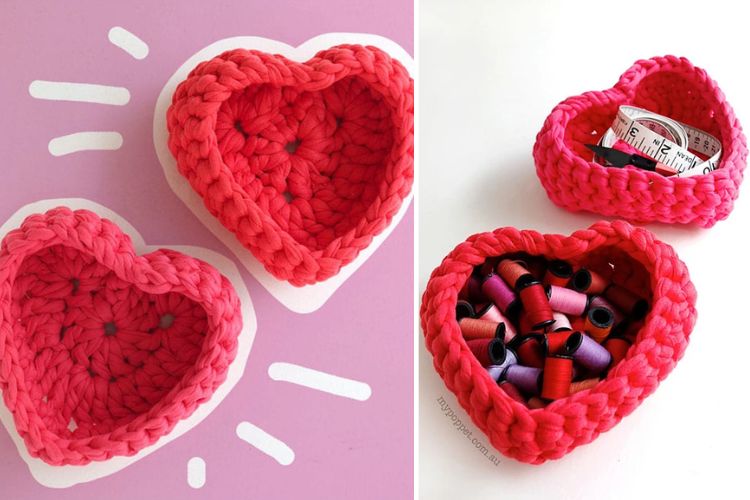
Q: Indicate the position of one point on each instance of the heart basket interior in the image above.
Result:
(96, 366)
(521, 419)
(317, 156)
(668, 86)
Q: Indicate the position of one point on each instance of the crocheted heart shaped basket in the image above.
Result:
(634, 259)
(669, 86)
(304, 162)
(102, 351)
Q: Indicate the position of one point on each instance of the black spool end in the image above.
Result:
(573, 343)
(464, 310)
(525, 280)
(496, 351)
(601, 317)
(560, 268)
(581, 280)
(500, 332)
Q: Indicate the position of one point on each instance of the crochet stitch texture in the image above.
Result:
(630, 257)
(669, 86)
(103, 351)
(304, 162)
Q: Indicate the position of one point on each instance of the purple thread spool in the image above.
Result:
(526, 378)
(588, 353)
(599, 301)
(464, 310)
(561, 322)
(500, 293)
(496, 371)
(567, 301)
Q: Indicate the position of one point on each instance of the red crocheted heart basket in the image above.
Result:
(636, 260)
(669, 86)
(102, 351)
(304, 162)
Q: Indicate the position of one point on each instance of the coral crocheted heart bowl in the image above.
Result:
(304, 162)
(632, 258)
(669, 86)
(102, 351)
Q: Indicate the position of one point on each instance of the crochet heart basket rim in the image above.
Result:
(702, 199)
(280, 252)
(157, 272)
(537, 435)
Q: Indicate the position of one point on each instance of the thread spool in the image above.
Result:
(536, 403)
(557, 376)
(598, 323)
(578, 323)
(589, 282)
(464, 310)
(561, 322)
(487, 267)
(582, 385)
(535, 304)
(525, 326)
(500, 294)
(496, 371)
(512, 391)
(599, 301)
(514, 273)
(555, 342)
(529, 350)
(558, 273)
(488, 351)
(527, 379)
(587, 353)
(473, 328)
(490, 312)
(617, 348)
(567, 301)
(472, 289)
(536, 265)
(628, 302)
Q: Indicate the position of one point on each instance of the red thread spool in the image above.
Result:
(514, 273)
(556, 377)
(536, 265)
(587, 281)
(529, 351)
(511, 391)
(627, 301)
(558, 273)
(582, 385)
(464, 310)
(525, 326)
(618, 348)
(599, 323)
(472, 328)
(488, 351)
(578, 324)
(535, 303)
(554, 343)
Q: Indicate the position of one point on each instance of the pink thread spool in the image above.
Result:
(561, 322)
(567, 301)
(492, 313)
(500, 293)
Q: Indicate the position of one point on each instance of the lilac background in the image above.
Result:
(344, 448)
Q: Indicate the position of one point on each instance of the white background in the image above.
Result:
(490, 72)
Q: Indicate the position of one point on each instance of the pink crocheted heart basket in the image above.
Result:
(634, 259)
(669, 86)
(304, 162)
(102, 351)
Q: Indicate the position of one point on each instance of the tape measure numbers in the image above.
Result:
(665, 140)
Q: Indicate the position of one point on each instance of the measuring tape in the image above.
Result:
(665, 140)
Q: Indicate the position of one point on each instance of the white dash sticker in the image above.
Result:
(320, 381)
(128, 42)
(79, 92)
(196, 472)
(85, 141)
(265, 442)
